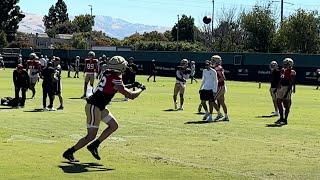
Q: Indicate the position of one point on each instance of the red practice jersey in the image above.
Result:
(220, 75)
(34, 67)
(287, 75)
(105, 90)
(91, 66)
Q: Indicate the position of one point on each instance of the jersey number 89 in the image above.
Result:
(90, 66)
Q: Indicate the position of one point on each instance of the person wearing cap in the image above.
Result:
(287, 87)
(21, 83)
(90, 70)
(182, 74)
(153, 71)
(275, 80)
(96, 111)
(48, 86)
(76, 67)
(193, 72)
(2, 66)
(208, 90)
(34, 68)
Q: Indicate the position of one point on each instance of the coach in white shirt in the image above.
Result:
(208, 89)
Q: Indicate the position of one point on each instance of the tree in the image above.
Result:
(61, 12)
(186, 29)
(55, 20)
(79, 42)
(50, 20)
(10, 16)
(300, 32)
(154, 36)
(3, 39)
(228, 36)
(84, 23)
(260, 27)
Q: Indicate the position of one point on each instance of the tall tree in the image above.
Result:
(84, 23)
(260, 26)
(10, 16)
(300, 32)
(186, 29)
(50, 20)
(61, 11)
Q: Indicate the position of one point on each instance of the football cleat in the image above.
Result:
(69, 156)
(94, 151)
(219, 116)
(206, 116)
(225, 119)
(209, 119)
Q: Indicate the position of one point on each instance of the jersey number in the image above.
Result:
(90, 66)
(101, 84)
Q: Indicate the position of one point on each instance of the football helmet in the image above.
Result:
(273, 65)
(33, 56)
(216, 60)
(288, 63)
(117, 64)
(91, 54)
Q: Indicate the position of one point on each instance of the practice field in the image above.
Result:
(153, 142)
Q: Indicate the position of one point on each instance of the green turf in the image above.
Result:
(152, 143)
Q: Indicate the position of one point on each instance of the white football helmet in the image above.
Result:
(118, 64)
(33, 56)
(288, 63)
(273, 65)
(216, 60)
(91, 54)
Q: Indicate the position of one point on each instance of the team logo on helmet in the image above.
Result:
(288, 63)
(273, 65)
(216, 59)
(118, 64)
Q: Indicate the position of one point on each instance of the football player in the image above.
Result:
(275, 79)
(287, 87)
(216, 62)
(153, 70)
(21, 82)
(193, 72)
(182, 74)
(96, 110)
(77, 67)
(90, 69)
(34, 68)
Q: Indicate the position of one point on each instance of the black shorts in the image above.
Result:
(57, 87)
(206, 95)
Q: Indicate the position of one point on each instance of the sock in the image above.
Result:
(72, 149)
(96, 143)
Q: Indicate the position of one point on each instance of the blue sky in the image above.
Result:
(159, 12)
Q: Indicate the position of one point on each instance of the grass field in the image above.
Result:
(152, 143)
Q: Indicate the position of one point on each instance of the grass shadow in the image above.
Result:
(119, 100)
(200, 113)
(75, 98)
(35, 110)
(170, 110)
(274, 125)
(74, 168)
(198, 122)
(6, 108)
(265, 116)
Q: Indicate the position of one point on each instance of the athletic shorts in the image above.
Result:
(95, 115)
(206, 95)
(57, 87)
(179, 88)
(284, 93)
(273, 93)
(34, 79)
(89, 78)
(220, 92)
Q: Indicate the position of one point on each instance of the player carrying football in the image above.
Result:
(34, 68)
(182, 74)
(96, 110)
(287, 86)
(90, 69)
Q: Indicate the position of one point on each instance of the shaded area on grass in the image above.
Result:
(73, 168)
(273, 125)
(35, 110)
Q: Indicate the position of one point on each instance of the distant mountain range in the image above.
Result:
(113, 27)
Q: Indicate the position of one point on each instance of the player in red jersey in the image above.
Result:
(34, 69)
(217, 61)
(90, 69)
(96, 111)
(287, 86)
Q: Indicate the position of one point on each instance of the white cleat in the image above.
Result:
(219, 116)
(180, 108)
(205, 116)
(209, 119)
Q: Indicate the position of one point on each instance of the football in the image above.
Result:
(207, 19)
